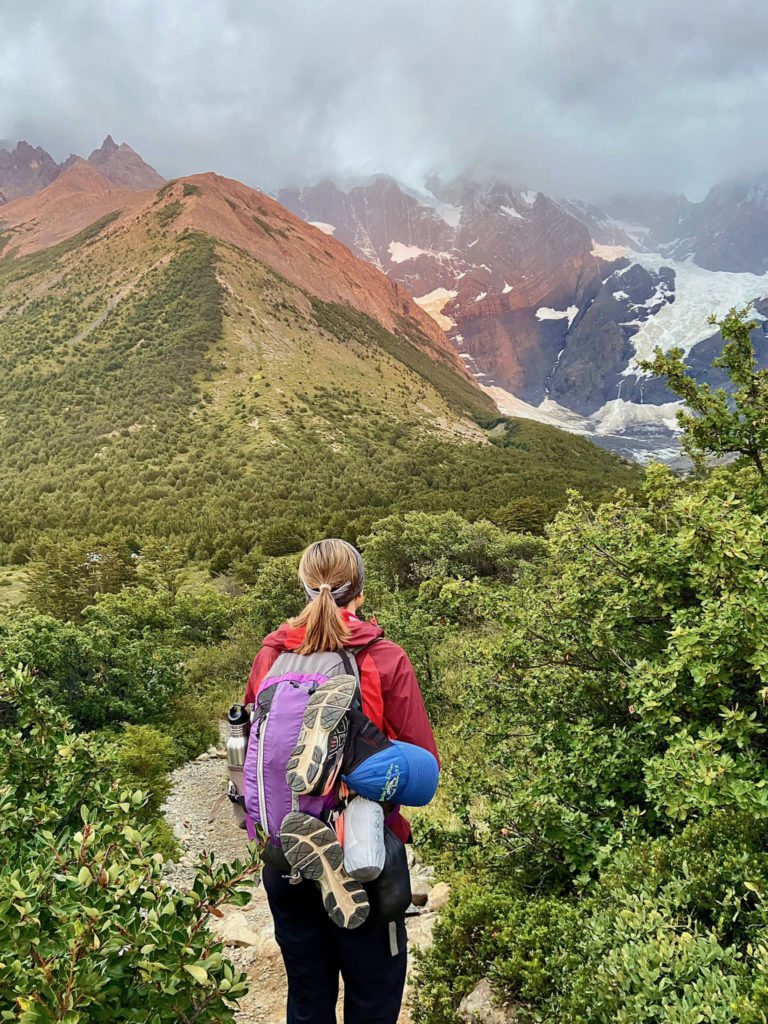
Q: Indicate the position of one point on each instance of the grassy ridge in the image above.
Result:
(174, 386)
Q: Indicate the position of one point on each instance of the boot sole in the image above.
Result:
(311, 848)
(325, 709)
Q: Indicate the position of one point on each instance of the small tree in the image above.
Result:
(523, 515)
(714, 421)
(162, 566)
(66, 576)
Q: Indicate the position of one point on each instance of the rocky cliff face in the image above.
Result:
(478, 258)
(123, 166)
(25, 170)
(726, 231)
(550, 303)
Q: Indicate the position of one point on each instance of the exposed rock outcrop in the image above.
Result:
(123, 166)
(482, 1006)
(25, 170)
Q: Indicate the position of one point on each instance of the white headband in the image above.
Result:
(341, 595)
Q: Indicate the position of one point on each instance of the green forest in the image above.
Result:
(590, 641)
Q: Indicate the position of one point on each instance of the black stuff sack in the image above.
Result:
(390, 894)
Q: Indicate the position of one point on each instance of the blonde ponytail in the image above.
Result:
(331, 573)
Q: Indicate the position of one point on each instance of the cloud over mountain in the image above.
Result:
(570, 97)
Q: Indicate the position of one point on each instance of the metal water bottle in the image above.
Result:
(237, 745)
(239, 727)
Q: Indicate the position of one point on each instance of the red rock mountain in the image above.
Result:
(77, 197)
(26, 170)
(233, 213)
(123, 166)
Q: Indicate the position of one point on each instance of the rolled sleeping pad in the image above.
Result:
(401, 774)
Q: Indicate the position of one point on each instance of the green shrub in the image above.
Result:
(404, 550)
(89, 932)
(275, 596)
(98, 675)
(614, 704)
(167, 214)
(146, 755)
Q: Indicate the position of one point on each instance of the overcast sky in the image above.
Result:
(577, 97)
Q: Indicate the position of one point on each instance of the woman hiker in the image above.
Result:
(370, 957)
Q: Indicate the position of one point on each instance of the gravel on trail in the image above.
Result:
(197, 786)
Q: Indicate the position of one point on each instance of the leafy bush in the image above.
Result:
(99, 676)
(404, 550)
(125, 660)
(617, 690)
(88, 931)
(145, 755)
(275, 596)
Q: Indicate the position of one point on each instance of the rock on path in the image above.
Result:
(248, 932)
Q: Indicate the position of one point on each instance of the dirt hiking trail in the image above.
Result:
(248, 933)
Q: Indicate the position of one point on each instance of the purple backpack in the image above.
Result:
(277, 718)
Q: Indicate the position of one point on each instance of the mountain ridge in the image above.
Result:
(232, 212)
(26, 170)
(158, 379)
(549, 302)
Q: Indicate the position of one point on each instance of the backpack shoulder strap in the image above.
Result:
(349, 661)
(357, 651)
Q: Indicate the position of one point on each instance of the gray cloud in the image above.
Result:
(576, 97)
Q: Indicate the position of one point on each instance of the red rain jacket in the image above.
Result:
(390, 693)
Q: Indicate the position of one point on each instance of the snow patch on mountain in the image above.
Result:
(609, 252)
(617, 415)
(636, 233)
(512, 212)
(433, 302)
(634, 430)
(446, 211)
(547, 313)
(506, 289)
(697, 291)
(399, 252)
(528, 197)
(548, 412)
(327, 229)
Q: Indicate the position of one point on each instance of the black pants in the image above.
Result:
(316, 951)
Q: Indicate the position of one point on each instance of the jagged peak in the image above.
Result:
(23, 150)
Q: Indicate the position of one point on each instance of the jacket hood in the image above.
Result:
(287, 639)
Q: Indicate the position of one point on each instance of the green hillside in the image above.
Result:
(172, 385)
